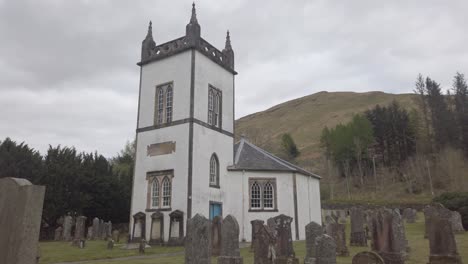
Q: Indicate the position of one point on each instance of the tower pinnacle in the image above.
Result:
(148, 44)
(192, 30)
(228, 52)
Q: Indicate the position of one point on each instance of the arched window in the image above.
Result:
(216, 110)
(155, 193)
(169, 104)
(210, 107)
(255, 196)
(160, 105)
(214, 171)
(166, 192)
(268, 196)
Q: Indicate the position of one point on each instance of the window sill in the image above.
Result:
(158, 209)
(262, 210)
(215, 186)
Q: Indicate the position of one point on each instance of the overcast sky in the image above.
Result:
(68, 74)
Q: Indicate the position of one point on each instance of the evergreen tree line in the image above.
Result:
(77, 183)
(390, 135)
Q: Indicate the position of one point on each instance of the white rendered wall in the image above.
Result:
(206, 142)
(174, 69)
(209, 73)
(237, 199)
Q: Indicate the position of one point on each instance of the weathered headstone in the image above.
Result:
(312, 230)
(20, 220)
(80, 227)
(441, 212)
(116, 235)
(263, 246)
(198, 241)
(388, 236)
(409, 214)
(110, 244)
(329, 220)
(216, 236)
(89, 234)
(67, 228)
(358, 233)
(96, 223)
(283, 236)
(82, 243)
(456, 221)
(367, 257)
(443, 247)
(109, 230)
(256, 225)
(230, 253)
(58, 233)
(103, 232)
(337, 232)
(325, 250)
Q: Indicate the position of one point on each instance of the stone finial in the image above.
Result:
(228, 52)
(192, 30)
(148, 44)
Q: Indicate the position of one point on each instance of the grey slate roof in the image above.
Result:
(252, 158)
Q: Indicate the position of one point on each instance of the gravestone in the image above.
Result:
(256, 225)
(456, 221)
(369, 214)
(103, 226)
(80, 227)
(198, 241)
(20, 220)
(89, 235)
(281, 225)
(216, 236)
(312, 230)
(110, 244)
(142, 246)
(367, 257)
(67, 228)
(109, 230)
(58, 233)
(442, 244)
(116, 235)
(263, 246)
(96, 223)
(329, 220)
(409, 215)
(230, 253)
(358, 233)
(337, 232)
(325, 250)
(441, 212)
(82, 243)
(388, 236)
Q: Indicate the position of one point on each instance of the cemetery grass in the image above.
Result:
(415, 234)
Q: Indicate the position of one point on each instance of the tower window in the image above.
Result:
(214, 106)
(262, 194)
(159, 189)
(214, 171)
(164, 103)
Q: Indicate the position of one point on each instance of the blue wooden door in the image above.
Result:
(215, 210)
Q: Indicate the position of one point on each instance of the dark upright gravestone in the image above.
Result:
(67, 228)
(198, 241)
(230, 253)
(102, 228)
(58, 233)
(96, 224)
(89, 234)
(358, 233)
(281, 225)
(256, 225)
(216, 236)
(312, 230)
(367, 257)
(80, 228)
(325, 250)
(443, 247)
(388, 237)
(337, 232)
(263, 246)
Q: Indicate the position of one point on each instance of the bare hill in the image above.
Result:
(304, 118)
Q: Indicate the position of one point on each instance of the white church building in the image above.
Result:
(187, 161)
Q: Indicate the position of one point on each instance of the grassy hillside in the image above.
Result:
(304, 118)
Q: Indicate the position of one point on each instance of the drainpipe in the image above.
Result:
(243, 207)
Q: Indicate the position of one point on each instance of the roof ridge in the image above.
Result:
(239, 150)
(270, 155)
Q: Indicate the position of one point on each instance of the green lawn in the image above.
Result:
(59, 251)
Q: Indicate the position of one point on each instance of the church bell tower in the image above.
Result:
(184, 135)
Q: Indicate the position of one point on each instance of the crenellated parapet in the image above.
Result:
(191, 40)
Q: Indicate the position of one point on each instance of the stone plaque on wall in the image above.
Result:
(161, 148)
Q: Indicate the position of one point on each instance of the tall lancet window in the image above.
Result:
(155, 194)
(214, 171)
(268, 196)
(255, 196)
(169, 105)
(164, 103)
(166, 192)
(214, 106)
